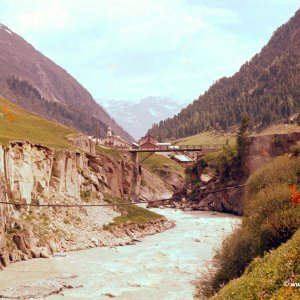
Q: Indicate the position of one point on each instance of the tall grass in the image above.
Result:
(31, 127)
(130, 213)
(157, 163)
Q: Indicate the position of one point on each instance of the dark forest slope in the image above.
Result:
(36, 83)
(267, 89)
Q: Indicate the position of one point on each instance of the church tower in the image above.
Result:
(109, 132)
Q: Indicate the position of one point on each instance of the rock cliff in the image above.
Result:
(260, 150)
(35, 174)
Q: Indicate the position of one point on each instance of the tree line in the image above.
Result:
(267, 89)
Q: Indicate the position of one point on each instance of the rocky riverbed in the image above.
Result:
(162, 266)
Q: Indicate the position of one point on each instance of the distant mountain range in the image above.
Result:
(267, 88)
(137, 117)
(36, 83)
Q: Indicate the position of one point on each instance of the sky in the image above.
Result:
(133, 49)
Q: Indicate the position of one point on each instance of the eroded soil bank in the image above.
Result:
(162, 266)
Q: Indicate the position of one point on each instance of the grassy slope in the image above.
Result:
(210, 138)
(279, 129)
(31, 127)
(264, 278)
(114, 153)
(156, 162)
(205, 138)
(131, 213)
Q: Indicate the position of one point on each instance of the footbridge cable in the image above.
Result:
(180, 197)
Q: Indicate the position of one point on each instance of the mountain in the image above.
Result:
(36, 83)
(267, 89)
(137, 117)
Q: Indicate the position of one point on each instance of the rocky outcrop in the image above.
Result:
(35, 174)
(260, 150)
(153, 187)
(199, 197)
(83, 142)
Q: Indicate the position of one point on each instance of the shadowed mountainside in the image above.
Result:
(36, 83)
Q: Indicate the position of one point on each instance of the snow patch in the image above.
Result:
(170, 107)
(8, 31)
(153, 112)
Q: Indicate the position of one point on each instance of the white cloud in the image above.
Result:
(135, 48)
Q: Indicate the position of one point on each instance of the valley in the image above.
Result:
(156, 197)
(157, 267)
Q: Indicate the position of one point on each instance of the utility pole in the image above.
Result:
(97, 130)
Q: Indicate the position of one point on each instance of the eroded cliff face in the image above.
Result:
(35, 174)
(260, 150)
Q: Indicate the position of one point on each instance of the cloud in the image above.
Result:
(136, 48)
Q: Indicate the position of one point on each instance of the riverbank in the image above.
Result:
(163, 266)
(92, 231)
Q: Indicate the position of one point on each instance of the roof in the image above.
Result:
(182, 158)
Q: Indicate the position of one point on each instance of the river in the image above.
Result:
(161, 267)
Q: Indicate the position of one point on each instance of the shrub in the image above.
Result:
(282, 169)
(270, 219)
(266, 278)
(295, 150)
(223, 162)
(236, 252)
(271, 215)
(85, 195)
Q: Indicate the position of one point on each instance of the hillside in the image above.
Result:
(18, 124)
(267, 89)
(205, 138)
(36, 83)
(271, 218)
(275, 276)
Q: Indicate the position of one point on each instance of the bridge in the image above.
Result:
(204, 149)
(179, 148)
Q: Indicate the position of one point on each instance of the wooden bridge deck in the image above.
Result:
(178, 148)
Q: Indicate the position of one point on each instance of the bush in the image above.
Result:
(295, 150)
(271, 216)
(235, 254)
(270, 219)
(282, 169)
(265, 277)
(85, 195)
(223, 162)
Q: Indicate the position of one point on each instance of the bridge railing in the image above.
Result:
(175, 148)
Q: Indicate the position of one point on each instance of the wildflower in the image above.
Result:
(295, 194)
(7, 113)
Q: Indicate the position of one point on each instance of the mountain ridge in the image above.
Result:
(35, 82)
(267, 88)
(138, 116)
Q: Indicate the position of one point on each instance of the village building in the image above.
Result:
(183, 160)
(112, 140)
(148, 141)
